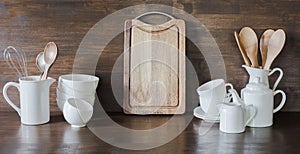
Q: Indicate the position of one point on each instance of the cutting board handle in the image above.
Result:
(155, 12)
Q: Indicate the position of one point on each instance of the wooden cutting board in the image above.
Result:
(154, 67)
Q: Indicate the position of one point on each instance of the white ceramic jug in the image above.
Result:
(34, 99)
(263, 75)
(262, 98)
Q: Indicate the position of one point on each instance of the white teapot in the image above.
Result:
(262, 98)
(236, 115)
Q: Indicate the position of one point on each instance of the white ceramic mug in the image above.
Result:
(34, 99)
(265, 108)
(234, 118)
(211, 94)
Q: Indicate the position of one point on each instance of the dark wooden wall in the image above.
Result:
(30, 24)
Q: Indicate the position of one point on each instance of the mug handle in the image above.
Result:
(279, 77)
(282, 100)
(252, 112)
(7, 85)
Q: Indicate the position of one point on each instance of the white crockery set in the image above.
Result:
(76, 100)
(75, 92)
(255, 108)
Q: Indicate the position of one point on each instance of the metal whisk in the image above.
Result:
(16, 60)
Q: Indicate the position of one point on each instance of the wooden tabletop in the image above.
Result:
(58, 136)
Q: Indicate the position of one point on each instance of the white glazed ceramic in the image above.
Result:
(62, 97)
(74, 84)
(211, 94)
(262, 98)
(234, 117)
(199, 113)
(263, 75)
(34, 99)
(77, 112)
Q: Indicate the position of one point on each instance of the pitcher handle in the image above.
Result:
(7, 85)
(282, 100)
(252, 112)
(279, 77)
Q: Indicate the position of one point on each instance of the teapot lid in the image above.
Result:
(256, 84)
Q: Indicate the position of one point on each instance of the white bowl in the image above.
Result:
(76, 93)
(77, 83)
(77, 112)
(61, 98)
(79, 95)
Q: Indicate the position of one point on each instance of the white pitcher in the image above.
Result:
(34, 99)
(263, 75)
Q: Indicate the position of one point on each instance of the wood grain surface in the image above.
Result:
(30, 24)
(155, 81)
(59, 137)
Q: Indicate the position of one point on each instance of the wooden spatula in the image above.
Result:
(243, 52)
(263, 45)
(249, 42)
(275, 46)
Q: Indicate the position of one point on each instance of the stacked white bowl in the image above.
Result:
(79, 86)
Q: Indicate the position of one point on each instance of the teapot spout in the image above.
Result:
(235, 97)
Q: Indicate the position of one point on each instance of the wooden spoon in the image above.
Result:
(263, 45)
(249, 42)
(50, 54)
(40, 62)
(275, 46)
(243, 52)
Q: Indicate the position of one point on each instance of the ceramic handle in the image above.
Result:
(229, 84)
(155, 12)
(252, 112)
(7, 85)
(228, 95)
(228, 98)
(282, 100)
(279, 77)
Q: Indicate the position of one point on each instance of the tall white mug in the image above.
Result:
(211, 94)
(265, 108)
(34, 99)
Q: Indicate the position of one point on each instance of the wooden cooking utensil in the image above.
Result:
(50, 54)
(275, 46)
(263, 45)
(243, 52)
(249, 42)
